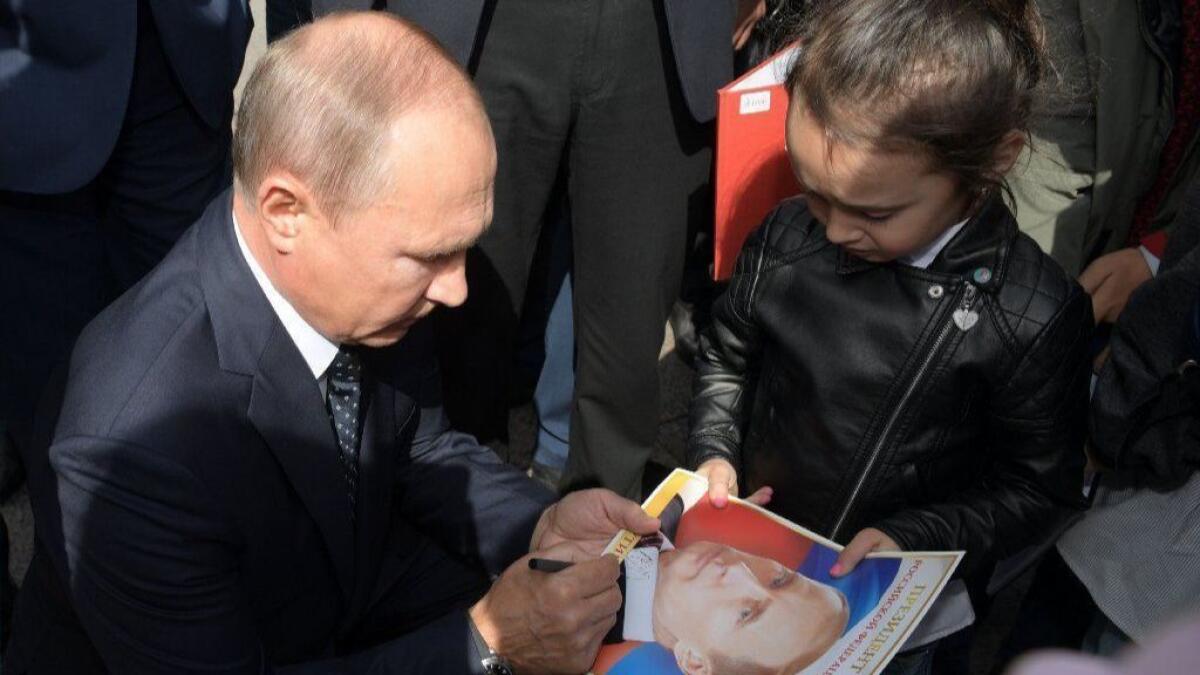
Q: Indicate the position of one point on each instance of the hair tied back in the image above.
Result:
(1021, 23)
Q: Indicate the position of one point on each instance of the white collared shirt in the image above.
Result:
(318, 352)
(924, 258)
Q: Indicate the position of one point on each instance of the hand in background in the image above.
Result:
(749, 13)
(1111, 279)
(867, 541)
(722, 484)
(587, 520)
(551, 623)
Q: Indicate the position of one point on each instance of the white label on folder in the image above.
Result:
(755, 102)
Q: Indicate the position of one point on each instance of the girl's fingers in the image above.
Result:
(761, 496)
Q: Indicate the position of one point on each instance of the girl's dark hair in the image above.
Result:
(949, 78)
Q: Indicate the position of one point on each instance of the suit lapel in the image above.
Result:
(376, 485)
(286, 408)
(285, 402)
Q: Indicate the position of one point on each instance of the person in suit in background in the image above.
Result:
(622, 93)
(248, 470)
(116, 120)
(456, 25)
(285, 15)
(642, 202)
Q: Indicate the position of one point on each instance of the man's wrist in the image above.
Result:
(493, 663)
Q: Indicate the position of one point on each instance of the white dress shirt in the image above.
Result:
(924, 258)
(318, 352)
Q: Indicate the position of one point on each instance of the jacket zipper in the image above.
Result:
(964, 305)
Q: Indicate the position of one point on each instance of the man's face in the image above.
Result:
(389, 264)
(877, 205)
(724, 601)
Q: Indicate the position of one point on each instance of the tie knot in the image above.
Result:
(346, 366)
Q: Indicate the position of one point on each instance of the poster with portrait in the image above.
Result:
(742, 590)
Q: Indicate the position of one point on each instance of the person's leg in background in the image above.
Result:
(1055, 613)
(691, 314)
(65, 256)
(55, 279)
(284, 15)
(556, 383)
(165, 169)
(525, 69)
(637, 163)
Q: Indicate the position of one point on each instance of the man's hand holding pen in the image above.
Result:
(545, 616)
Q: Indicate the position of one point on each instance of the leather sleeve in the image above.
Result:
(1037, 426)
(727, 365)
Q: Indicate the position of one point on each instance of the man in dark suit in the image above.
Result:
(618, 96)
(115, 119)
(455, 24)
(249, 471)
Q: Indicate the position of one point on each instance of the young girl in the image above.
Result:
(903, 366)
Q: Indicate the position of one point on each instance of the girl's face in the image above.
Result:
(878, 205)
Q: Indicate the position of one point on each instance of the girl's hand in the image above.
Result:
(722, 484)
(866, 541)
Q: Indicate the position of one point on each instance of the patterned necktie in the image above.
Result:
(343, 395)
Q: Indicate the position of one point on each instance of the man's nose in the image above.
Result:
(449, 287)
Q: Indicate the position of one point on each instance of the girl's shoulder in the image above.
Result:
(1036, 290)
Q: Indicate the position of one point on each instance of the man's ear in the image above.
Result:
(691, 661)
(287, 209)
(1008, 152)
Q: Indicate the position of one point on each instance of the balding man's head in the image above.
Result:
(363, 121)
(322, 103)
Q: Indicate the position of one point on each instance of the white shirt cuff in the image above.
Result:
(1152, 260)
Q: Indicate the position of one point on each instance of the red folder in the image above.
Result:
(753, 173)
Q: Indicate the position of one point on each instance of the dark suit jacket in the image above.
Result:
(1144, 422)
(192, 499)
(701, 37)
(65, 69)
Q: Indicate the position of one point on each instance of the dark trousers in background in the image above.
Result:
(63, 257)
(1055, 613)
(284, 15)
(591, 84)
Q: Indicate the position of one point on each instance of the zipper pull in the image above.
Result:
(965, 317)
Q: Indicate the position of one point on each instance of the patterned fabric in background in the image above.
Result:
(1187, 120)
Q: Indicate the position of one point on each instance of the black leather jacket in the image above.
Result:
(850, 388)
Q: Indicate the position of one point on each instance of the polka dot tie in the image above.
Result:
(342, 398)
